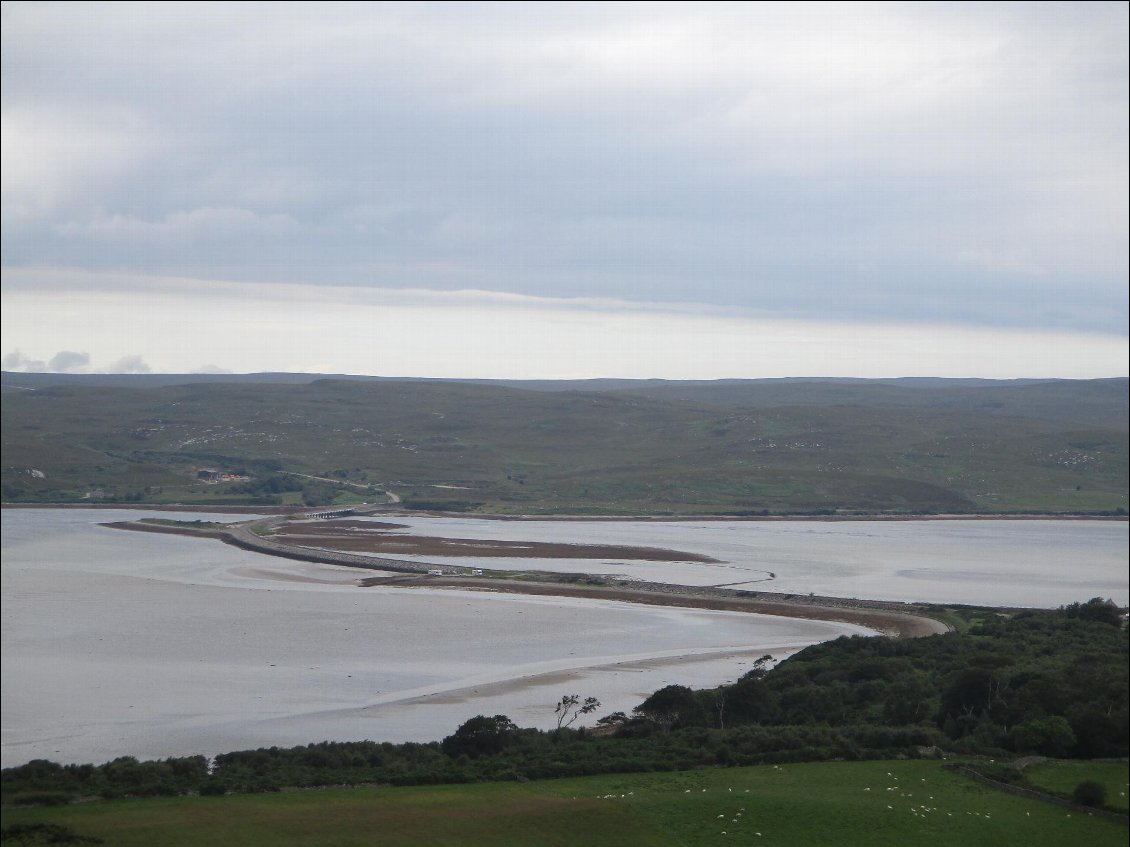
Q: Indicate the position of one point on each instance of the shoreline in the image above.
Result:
(394, 510)
(873, 614)
(897, 619)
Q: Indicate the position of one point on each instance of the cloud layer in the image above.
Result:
(254, 327)
(854, 163)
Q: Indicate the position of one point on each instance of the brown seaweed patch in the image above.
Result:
(480, 548)
(333, 526)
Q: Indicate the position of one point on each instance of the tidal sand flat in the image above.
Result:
(1015, 563)
(380, 538)
(156, 645)
(152, 645)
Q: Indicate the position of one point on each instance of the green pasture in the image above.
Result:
(839, 803)
(1062, 778)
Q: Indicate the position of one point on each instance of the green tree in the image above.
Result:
(671, 707)
(480, 736)
(1096, 609)
(1050, 736)
(907, 701)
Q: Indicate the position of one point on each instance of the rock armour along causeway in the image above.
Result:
(904, 620)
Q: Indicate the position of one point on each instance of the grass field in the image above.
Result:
(856, 803)
(1062, 777)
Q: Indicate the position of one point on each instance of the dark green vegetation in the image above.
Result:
(1064, 779)
(841, 803)
(618, 447)
(1051, 683)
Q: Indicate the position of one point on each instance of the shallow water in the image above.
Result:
(118, 643)
(1031, 563)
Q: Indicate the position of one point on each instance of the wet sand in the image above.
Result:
(891, 618)
(158, 646)
(562, 679)
(365, 537)
(874, 615)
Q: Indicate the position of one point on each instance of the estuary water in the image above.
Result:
(1030, 563)
(118, 643)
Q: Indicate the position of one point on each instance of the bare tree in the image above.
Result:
(570, 707)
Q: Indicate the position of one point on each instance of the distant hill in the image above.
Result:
(18, 379)
(592, 446)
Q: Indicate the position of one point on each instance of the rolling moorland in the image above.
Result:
(731, 447)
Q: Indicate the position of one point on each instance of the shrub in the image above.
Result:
(1089, 793)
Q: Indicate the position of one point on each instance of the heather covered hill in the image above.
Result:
(613, 447)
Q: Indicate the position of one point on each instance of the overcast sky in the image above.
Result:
(567, 190)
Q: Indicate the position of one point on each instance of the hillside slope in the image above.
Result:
(736, 447)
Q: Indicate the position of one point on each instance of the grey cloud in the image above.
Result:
(17, 361)
(965, 162)
(68, 360)
(131, 364)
